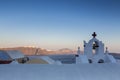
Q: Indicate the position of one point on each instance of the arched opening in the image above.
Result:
(101, 61)
(95, 47)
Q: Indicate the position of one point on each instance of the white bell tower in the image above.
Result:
(94, 47)
(94, 52)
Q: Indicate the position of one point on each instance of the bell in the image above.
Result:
(94, 46)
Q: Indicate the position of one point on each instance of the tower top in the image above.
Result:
(106, 50)
(94, 34)
(78, 50)
(78, 47)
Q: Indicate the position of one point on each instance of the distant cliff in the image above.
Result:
(40, 51)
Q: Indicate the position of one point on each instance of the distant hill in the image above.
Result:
(40, 51)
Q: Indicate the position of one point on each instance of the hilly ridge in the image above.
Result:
(40, 51)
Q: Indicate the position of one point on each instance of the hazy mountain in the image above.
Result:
(40, 51)
(65, 50)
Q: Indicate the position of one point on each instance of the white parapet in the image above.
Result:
(111, 59)
(81, 59)
(60, 72)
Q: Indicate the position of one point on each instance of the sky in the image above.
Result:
(56, 24)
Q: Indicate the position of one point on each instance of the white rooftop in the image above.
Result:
(4, 55)
(60, 72)
(14, 54)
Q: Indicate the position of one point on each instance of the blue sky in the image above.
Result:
(55, 24)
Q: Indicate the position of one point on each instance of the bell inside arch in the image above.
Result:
(95, 45)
